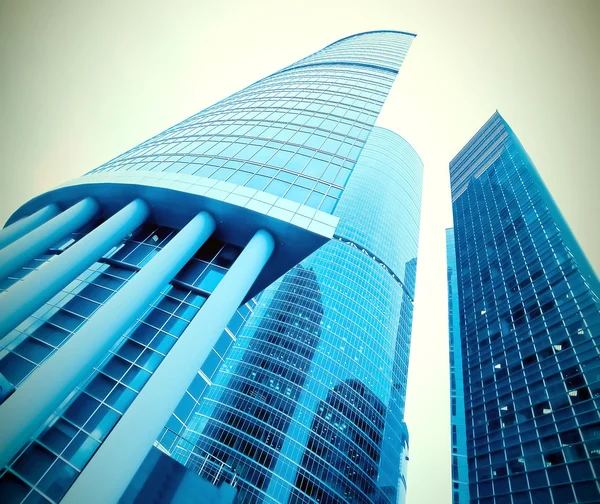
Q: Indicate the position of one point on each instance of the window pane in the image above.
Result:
(34, 462)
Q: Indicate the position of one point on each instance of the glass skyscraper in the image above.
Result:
(123, 289)
(525, 332)
(309, 404)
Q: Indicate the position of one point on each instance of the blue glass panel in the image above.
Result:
(81, 450)
(210, 278)
(59, 435)
(34, 462)
(81, 409)
(101, 422)
(58, 480)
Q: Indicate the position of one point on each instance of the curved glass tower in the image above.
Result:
(123, 289)
(309, 403)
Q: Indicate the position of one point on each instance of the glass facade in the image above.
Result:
(288, 144)
(530, 331)
(309, 403)
(295, 134)
(458, 433)
(46, 468)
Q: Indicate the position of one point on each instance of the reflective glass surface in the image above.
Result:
(458, 435)
(295, 134)
(47, 467)
(529, 328)
(308, 405)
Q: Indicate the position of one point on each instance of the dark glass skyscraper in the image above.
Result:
(309, 404)
(529, 321)
(123, 289)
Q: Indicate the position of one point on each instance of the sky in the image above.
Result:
(83, 81)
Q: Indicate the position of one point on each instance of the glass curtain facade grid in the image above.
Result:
(296, 133)
(46, 468)
(530, 329)
(459, 463)
(309, 403)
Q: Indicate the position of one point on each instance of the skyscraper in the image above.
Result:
(118, 286)
(309, 404)
(529, 322)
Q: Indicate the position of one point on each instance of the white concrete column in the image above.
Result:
(23, 226)
(36, 242)
(25, 297)
(110, 470)
(22, 414)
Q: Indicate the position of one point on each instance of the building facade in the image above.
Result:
(529, 322)
(123, 289)
(458, 432)
(309, 404)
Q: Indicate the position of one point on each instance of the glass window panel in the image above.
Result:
(267, 172)
(277, 187)
(35, 498)
(258, 182)
(227, 256)
(59, 435)
(330, 173)
(34, 462)
(175, 326)
(185, 407)
(305, 182)
(96, 293)
(162, 343)
(66, 320)
(224, 342)
(315, 168)
(286, 176)
(328, 204)
(101, 423)
(81, 450)
(121, 397)
(196, 389)
(136, 378)
(58, 480)
(33, 350)
(297, 194)
(81, 306)
(143, 333)
(156, 318)
(122, 252)
(342, 177)
(211, 278)
(186, 311)
(15, 368)
(100, 386)
(314, 200)
(149, 360)
(239, 177)
(297, 163)
(281, 158)
(130, 350)
(81, 409)
(51, 334)
(12, 486)
(194, 299)
(235, 323)
(209, 250)
(222, 174)
(138, 255)
(116, 367)
(211, 364)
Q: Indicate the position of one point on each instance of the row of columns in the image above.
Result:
(22, 415)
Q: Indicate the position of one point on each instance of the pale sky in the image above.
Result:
(83, 81)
